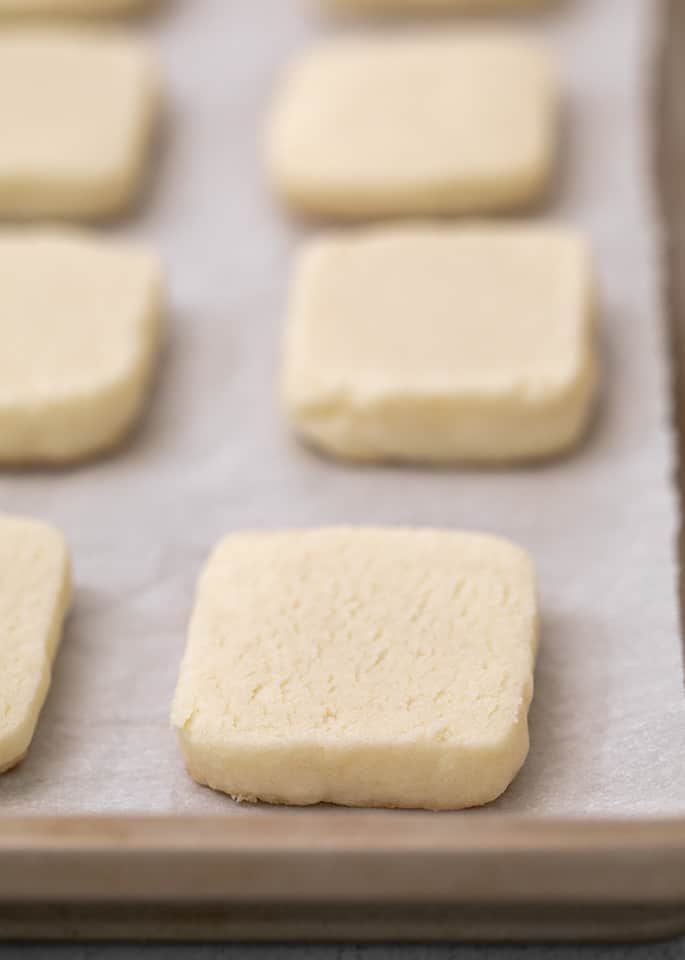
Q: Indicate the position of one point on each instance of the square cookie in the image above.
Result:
(80, 326)
(76, 110)
(35, 589)
(424, 124)
(364, 667)
(442, 343)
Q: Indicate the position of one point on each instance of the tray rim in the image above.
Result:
(271, 878)
(477, 877)
(286, 857)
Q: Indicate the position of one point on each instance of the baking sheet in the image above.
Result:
(608, 723)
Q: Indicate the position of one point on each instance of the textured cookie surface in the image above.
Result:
(364, 667)
(49, 8)
(437, 124)
(76, 111)
(436, 343)
(79, 325)
(34, 595)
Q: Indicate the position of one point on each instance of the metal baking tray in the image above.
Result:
(105, 865)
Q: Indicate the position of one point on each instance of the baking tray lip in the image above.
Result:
(340, 828)
(333, 857)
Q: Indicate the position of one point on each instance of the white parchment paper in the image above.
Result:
(213, 455)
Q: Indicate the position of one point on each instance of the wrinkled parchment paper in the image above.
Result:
(213, 455)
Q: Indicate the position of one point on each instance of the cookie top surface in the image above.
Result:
(360, 635)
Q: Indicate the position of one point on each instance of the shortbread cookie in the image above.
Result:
(442, 343)
(367, 667)
(90, 8)
(34, 596)
(76, 110)
(433, 124)
(79, 327)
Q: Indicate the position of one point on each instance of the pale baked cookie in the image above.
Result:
(427, 124)
(34, 596)
(442, 343)
(365, 667)
(55, 8)
(79, 327)
(77, 109)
